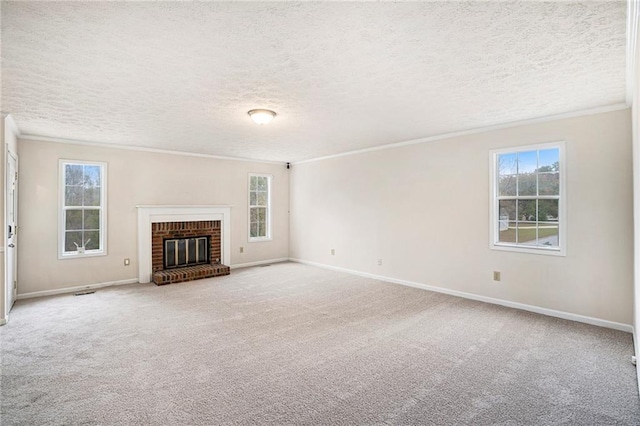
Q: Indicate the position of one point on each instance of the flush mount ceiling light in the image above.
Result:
(262, 116)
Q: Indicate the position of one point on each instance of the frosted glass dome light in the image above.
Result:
(262, 116)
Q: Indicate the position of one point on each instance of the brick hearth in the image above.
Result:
(163, 230)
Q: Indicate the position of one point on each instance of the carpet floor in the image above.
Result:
(295, 344)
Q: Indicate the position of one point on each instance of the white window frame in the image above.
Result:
(494, 242)
(62, 254)
(268, 237)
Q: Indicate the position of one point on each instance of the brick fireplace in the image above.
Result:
(178, 253)
(177, 227)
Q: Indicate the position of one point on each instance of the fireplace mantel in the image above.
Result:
(182, 213)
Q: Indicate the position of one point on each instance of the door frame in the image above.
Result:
(9, 138)
(11, 289)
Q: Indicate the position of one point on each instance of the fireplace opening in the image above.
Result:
(181, 252)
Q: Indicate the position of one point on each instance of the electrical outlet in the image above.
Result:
(333, 252)
(496, 275)
(241, 249)
(379, 262)
(127, 262)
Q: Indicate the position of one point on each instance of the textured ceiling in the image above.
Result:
(341, 76)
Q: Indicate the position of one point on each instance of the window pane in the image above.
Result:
(92, 219)
(73, 174)
(82, 184)
(527, 184)
(527, 162)
(527, 233)
(527, 210)
(548, 234)
(92, 197)
(522, 216)
(71, 239)
(549, 160)
(548, 210)
(258, 205)
(73, 219)
(262, 183)
(92, 176)
(507, 185)
(507, 164)
(549, 183)
(73, 195)
(508, 234)
(92, 240)
(507, 210)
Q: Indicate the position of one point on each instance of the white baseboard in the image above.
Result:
(539, 310)
(75, 289)
(3, 321)
(260, 262)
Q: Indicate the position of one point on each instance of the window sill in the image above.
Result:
(81, 255)
(529, 250)
(260, 240)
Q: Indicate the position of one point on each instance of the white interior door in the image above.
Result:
(12, 222)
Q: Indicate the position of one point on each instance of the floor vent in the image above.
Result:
(82, 293)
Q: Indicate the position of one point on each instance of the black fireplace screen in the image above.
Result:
(180, 252)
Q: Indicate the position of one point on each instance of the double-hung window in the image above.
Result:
(528, 199)
(259, 207)
(82, 230)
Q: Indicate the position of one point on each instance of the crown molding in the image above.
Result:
(41, 138)
(633, 21)
(478, 130)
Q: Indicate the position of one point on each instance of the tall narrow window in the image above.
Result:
(528, 201)
(259, 207)
(82, 209)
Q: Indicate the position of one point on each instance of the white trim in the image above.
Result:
(13, 126)
(562, 208)
(40, 138)
(102, 251)
(75, 289)
(154, 214)
(530, 308)
(633, 20)
(478, 130)
(633, 96)
(4, 321)
(268, 237)
(260, 262)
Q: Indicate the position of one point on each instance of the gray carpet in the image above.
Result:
(294, 344)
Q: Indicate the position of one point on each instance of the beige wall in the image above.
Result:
(134, 178)
(424, 210)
